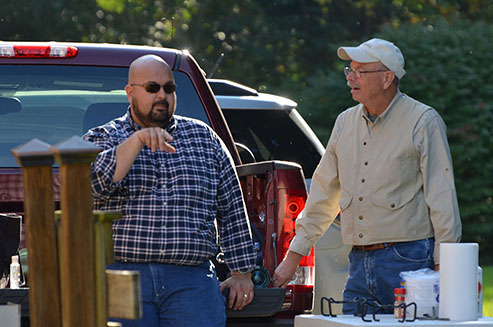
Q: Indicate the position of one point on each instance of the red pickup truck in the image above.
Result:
(52, 91)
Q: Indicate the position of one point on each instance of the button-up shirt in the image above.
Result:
(391, 180)
(172, 203)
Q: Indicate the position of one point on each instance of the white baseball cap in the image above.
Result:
(376, 50)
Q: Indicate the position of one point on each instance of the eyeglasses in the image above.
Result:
(153, 87)
(357, 73)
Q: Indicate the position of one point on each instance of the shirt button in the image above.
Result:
(366, 163)
(360, 235)
(162, 252)
(360, 198)
(363, 180)
(392, 205)
(364, 143)
(163, 227)
(360, 217)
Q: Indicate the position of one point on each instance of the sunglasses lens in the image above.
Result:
(152, 87)
(169, 88)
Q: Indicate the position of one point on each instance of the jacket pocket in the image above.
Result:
(393, 201)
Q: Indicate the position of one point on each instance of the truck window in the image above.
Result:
(272, 135)
(58, 102)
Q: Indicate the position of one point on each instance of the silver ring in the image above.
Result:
(245, 296)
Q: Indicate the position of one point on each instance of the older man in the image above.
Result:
(388, 170)
(174, 181)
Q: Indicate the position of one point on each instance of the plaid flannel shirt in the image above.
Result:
(171, 201)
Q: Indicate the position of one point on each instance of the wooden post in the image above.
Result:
(103, 254)
(77, 234)
(36, 161)
(124, 294)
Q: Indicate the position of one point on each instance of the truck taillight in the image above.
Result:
(37, 51)
(293, 205)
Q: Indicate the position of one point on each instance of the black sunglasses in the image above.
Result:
(153, 87)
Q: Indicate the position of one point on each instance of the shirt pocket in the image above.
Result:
(393, 201)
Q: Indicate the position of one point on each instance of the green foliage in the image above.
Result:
(488, 291)
(267, 44)
(326, 95)
(32, 20)
(112, 5)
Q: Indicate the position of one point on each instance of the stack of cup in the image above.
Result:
(422, 288)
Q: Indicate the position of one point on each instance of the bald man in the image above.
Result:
(173, 180)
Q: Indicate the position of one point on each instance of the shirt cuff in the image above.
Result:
(301, 246)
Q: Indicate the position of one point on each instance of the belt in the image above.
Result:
(373, 247)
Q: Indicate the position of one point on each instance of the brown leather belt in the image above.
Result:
(373, 247)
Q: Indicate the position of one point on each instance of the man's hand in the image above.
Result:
(285, 271)
(127, 151)
(240, 290)
(155, 138)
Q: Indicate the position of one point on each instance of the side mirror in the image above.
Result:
(246, 155)
(8, 105)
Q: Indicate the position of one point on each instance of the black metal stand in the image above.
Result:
(363, 306)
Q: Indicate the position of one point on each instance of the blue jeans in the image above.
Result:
(373, 275)
(177, 295)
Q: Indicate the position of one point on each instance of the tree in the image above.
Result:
(31, 20)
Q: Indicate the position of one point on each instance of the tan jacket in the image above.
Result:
(392, 180)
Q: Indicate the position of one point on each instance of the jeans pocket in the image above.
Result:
(414, 252)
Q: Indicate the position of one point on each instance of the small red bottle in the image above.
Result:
(400, 297)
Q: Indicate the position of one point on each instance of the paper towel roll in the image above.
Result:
(458, 281)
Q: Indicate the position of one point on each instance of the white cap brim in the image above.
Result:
(355, 54)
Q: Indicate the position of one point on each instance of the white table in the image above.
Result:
(306, 320)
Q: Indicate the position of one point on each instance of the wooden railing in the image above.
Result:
(68, 251)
